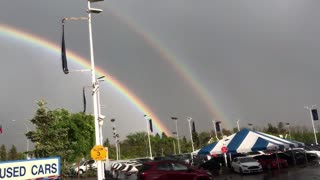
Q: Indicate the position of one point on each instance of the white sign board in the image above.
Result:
(29, 169)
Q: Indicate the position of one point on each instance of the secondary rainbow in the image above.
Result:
(20, 35)
(179, 67)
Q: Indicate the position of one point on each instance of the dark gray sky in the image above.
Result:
(252, 60)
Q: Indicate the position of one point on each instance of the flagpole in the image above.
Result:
(189, 120)
(314, 130)
(215, 129)
(148, 131)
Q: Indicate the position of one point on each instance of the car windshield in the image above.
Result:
(244, 160)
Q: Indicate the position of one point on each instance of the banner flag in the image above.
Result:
(150, 124)
(63, 53)
(218, 126)
(84, 99)
(193, 127)
(314, 114)
(0, 129)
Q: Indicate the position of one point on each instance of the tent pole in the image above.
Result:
(225, 159)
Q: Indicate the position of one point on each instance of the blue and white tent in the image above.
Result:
(249, 141)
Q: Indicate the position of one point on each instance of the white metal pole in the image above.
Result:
(115, 139)
(314, 130)
(94, 94)
(179, 149)
(27, 140)
(150, 150)
(119, 154)
(174, 147)
(99, 112)
(189, 119)
(215, 129)
(238, 125)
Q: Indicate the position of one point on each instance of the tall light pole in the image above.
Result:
(314, 130)
(148, 132)
(288, 125)
(93, 80)
(189, 120)
(94, 84)
(176, 121)
(215, 129)
(238, 125)
(27, 130)
(115, 136)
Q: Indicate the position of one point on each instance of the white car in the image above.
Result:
(86, 165)
(246, 165)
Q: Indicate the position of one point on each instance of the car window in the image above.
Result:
(90, 162)
(164, 167)
(145, 167)
(179, 167)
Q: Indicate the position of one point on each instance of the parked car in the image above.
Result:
(85, 165)
(213, 165)
(302, 154)
(298, 158)
(171, 170)
(271, 162)
(246, 165)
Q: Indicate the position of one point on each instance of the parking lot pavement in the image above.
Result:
(309, 172)
(293, 173)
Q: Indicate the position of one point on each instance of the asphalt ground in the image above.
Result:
(311, 171)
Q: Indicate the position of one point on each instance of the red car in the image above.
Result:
(271, 162)
(171, 170)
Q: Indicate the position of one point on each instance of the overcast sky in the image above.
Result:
(253, 60)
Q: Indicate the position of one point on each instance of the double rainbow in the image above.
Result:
(25, 37)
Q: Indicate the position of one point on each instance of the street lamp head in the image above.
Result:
(189, 118)
(113, 120)
(174, 118)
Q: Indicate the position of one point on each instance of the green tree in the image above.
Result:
(60, 133)
(13, 154)
(3, 153)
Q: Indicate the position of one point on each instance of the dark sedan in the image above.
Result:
(171, 170)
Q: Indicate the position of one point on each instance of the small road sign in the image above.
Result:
(224, 149)
(98, 153)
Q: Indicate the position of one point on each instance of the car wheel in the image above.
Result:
(80, 171)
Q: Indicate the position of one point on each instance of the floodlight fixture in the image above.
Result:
(92, 1)
(95, 10)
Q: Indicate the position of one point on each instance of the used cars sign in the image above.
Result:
(29, 169)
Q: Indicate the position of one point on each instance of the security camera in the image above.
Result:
(95, 88)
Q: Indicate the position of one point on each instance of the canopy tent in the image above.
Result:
(248, 141)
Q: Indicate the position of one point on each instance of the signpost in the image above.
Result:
(30, 169)
(224, 150)
(98, 153)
